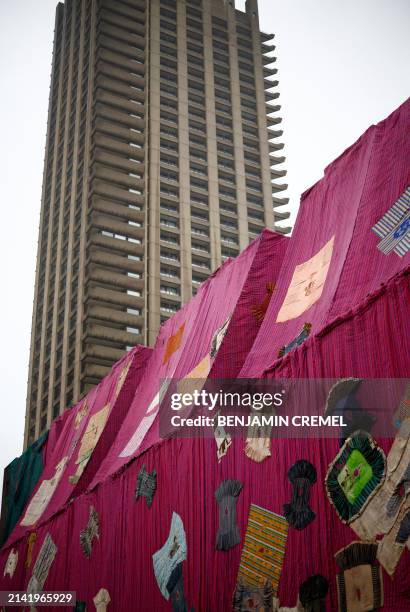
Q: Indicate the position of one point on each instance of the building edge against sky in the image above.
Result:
(161, 161)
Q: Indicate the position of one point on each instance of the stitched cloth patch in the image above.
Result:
(102, 600)
(258, 437)
(253, 599)
(392, 546)
(394, 227)
(121, 379)
(227, 496)
(170, 555)
(80, 606)
(300, 338)
(81, 414)
(146, 485)
(307, 284)
(259, 311)
(92, 434)
(381, 512)
(312, 593)
(302, 475)
(222, 438)
(175, 587)
(42, 565)
(173, 344)
(91, 532)
(11, 563)
(354, 476)
(42, 496)
(359, 586)
(218, 337)
(264, 548)
(32, 538)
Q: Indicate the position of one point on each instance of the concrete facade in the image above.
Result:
(161, 161)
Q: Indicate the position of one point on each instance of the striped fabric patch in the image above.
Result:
(264, 548)
(394, 227)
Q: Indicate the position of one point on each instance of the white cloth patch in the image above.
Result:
(11, 563)
(170, 555)
(43, 495)
(42, 565)
(102, 600)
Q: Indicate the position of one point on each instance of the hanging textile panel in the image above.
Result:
(264, 548)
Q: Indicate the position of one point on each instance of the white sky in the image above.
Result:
(343, 65)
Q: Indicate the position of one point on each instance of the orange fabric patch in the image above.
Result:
(173, 344)
(259, 311)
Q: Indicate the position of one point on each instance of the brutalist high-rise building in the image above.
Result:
(161, 161)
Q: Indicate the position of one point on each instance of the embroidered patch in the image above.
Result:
(302, 475)
(92, 434)
(354, 476)
(264, 548)
(102, 600)
(259, 311)
(223, 440)
(227, 496)
(42, 496)
(42, 565)
(196, 378)
(146, 485)
(92, 531)
(307, 284)
(359, 586)
(394, 227)
(381, 512)
(173, 344)
(170, 555)
(300, 338)
(253, 599)
(11, 563)
(32, 538)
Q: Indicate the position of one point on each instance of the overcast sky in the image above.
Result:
(343, 65)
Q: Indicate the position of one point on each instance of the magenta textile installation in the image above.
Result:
(329, 274)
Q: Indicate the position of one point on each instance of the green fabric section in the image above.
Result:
(20, 478)
(354, 476)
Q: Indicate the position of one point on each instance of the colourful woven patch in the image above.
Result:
(173, 344)
(355, 475)
(264, 548)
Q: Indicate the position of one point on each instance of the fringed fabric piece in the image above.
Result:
(175, 587)
(42, 565)
(222, 438)
(146, 485)
(253, 599)
(259, 311)
(300, 338)
(381, 512)
(302, 475)
(392, 546)
(360, 585)
(312, 593)
(264, 549)
(227, 496)
(91, 532)
(170, 555)
(355, 475)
